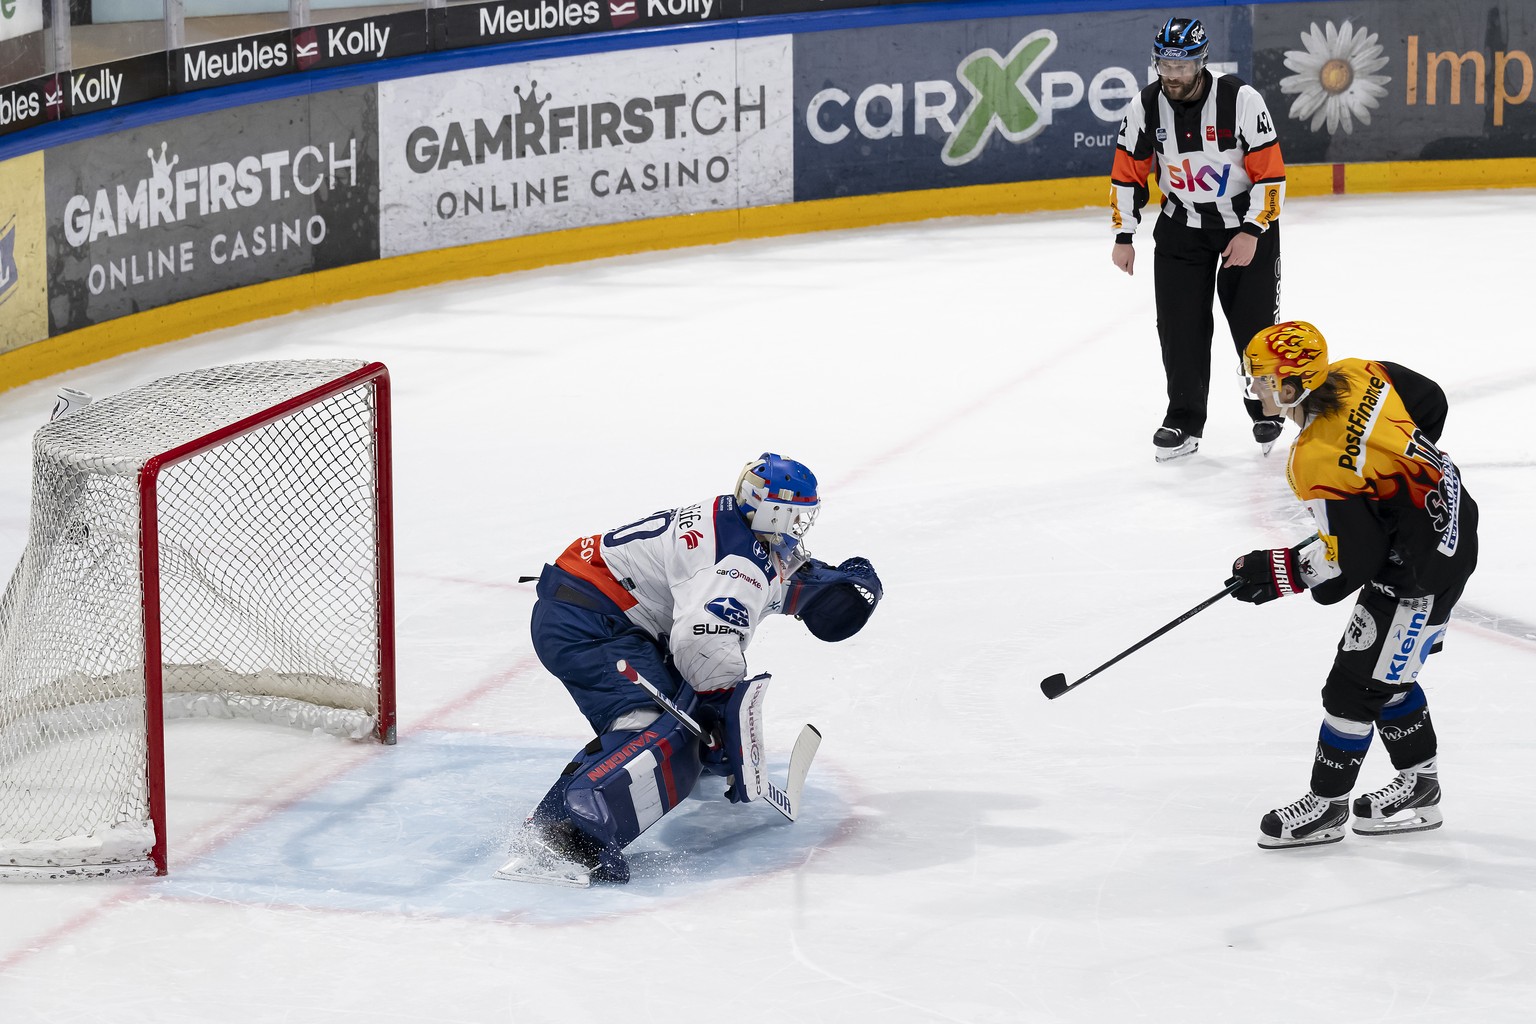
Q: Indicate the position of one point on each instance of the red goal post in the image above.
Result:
(218, 543)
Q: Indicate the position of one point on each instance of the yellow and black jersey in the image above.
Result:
(1217, 162)
(1389, 505)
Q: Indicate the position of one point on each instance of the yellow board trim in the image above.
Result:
(380, 277)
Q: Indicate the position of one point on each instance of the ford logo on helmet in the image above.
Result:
(1173, 53)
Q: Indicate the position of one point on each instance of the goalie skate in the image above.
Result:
(545, 870)
(552, 855)
(1409, 803)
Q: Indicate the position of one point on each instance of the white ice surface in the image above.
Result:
(977, 397)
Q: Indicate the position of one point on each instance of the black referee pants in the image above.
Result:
(1186, 278)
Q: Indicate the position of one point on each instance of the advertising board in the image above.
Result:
(23, 254)
(229, 61)
(168, 211)
(950, 104)
(569, 142)
(382, 37)
(1384, 80)
(20, 18)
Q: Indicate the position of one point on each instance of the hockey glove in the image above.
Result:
(1263, 576)
(710, 714)
(834, 602)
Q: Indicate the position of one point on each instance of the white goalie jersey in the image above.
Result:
(697, 578)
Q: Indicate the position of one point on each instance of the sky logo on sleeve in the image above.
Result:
(728, 609)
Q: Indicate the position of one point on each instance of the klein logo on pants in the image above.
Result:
(1408, 642)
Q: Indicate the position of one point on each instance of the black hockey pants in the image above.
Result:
(1187, 277)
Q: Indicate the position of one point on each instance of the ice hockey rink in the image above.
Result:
(977, 397)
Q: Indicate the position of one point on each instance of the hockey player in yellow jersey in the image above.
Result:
(1397, 529)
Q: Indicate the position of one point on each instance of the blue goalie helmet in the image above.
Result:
(1181, 39)
(779, 498)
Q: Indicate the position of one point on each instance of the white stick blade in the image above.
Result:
(787, 800)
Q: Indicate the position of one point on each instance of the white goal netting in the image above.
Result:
(208, 536)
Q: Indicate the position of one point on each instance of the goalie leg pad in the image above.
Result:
(744, 749)
(630, 781)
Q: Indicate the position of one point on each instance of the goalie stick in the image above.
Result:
(785, 800)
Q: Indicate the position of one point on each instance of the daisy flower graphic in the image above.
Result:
(1334, 82)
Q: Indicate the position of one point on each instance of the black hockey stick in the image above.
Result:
(1056, 685)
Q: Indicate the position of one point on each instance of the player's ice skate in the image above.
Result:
(1310, 821)
(1267, 432)
(1406, 804)
(552, 855)
(1170, 443)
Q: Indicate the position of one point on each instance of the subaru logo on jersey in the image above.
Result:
(729, 610)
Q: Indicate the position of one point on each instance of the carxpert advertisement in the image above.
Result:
(948, 104)
(1386, 80)
(598, 139)
(181, 208)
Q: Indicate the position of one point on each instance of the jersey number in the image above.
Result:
(1436, 503)
(653, 525)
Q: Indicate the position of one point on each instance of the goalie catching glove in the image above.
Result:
(1263, 576)
(834, 602)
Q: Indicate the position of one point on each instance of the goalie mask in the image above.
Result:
(779, 499)
(834, 602)
(1290, 351)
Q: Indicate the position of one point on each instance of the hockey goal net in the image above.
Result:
(213, 544)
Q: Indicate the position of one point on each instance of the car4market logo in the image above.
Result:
(1000, 101)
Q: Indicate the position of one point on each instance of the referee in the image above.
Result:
(1211, 142)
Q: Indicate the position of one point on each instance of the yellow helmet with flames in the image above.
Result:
(1289, 351)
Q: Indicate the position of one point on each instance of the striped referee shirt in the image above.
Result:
(1217, 162)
